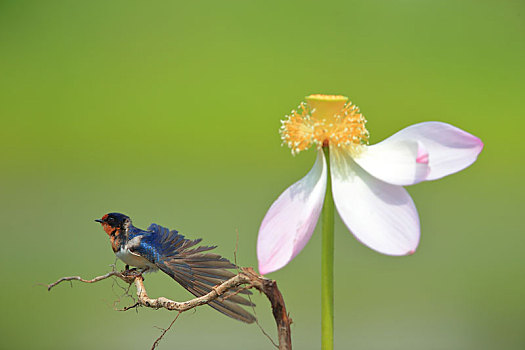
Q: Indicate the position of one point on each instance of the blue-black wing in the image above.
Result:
(193, 268)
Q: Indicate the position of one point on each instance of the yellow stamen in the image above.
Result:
(325, 120)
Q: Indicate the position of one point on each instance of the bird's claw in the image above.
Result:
(131, 273)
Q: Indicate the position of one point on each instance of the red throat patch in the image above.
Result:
(108, 229)
(115, 243)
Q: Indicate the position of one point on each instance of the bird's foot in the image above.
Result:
(132, 273)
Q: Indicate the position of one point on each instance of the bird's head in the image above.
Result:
(112, 223)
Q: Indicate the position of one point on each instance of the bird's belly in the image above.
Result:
(132, 259)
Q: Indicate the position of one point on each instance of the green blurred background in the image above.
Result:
(169, 112)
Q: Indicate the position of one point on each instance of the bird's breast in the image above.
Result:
(133, 259)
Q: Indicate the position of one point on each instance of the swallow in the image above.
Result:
(158, 248)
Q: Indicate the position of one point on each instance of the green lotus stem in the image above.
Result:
(327, 263)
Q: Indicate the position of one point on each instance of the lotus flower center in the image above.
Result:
(324, 120)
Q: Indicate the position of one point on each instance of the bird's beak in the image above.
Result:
(98, 220)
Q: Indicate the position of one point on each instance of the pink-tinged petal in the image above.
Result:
(291, 220)
(398, 162)
(422, 155)
(450, 149)
(380, 215)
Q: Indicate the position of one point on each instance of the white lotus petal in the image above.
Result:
(398, 162)
(290, 221)
(450, 149)
(380, 215)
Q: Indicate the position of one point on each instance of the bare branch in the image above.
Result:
(78, 278)
(246, 276)
(129, 307)
(164, 332)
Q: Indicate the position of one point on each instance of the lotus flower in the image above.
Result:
(367, 180)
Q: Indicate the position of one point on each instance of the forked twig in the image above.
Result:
(164, 332)
(78, 278)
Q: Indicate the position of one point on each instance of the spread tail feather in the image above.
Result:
(199, 280)
(199, 271)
